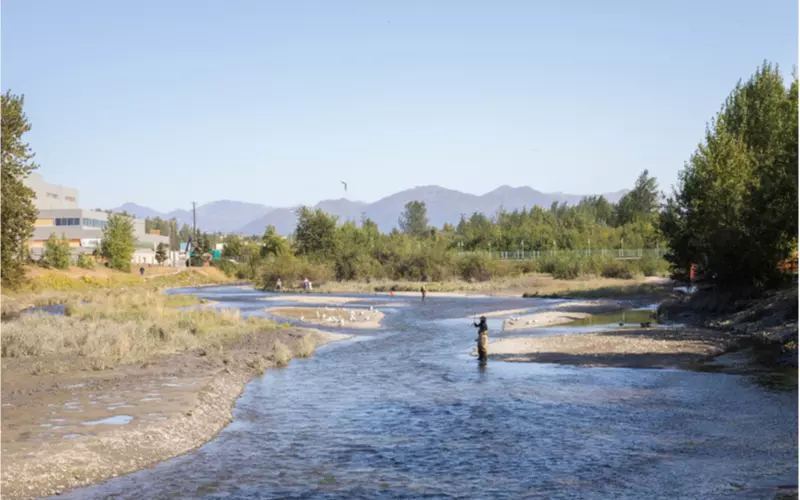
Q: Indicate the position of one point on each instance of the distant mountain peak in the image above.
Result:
(443, 204)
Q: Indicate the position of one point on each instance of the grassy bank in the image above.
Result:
(108, 328)
(50, 287)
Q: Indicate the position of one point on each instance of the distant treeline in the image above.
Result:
(322, 249)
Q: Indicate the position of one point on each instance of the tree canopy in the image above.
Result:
(16, 203)
(734, 210)
(118, 243)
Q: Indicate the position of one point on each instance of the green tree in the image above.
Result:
(640, 203)
(118, 243)
(16, 203)
(161, 253)
(273, 244)
(315, 235)
(185, 232)
(414, 219)
(56, 252)
(234, 248)
(734, 211)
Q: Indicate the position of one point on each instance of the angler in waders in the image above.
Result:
(483, 338)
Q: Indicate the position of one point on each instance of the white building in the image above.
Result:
(60, 213)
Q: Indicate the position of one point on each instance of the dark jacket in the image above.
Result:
(481, 326)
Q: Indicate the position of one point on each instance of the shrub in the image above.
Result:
(475, 267)
(85, 261)
(616, 269)
(56, 252)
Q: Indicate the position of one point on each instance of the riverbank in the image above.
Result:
(47, 287)
(120, 381)
(53, 431)
(700, 335)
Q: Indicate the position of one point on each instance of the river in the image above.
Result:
(405, 412)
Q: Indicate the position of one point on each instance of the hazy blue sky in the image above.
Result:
(164, 102)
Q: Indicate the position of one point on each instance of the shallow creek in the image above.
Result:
(406, 412)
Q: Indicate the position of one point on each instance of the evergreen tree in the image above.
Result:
(17, 210)
(161, 253)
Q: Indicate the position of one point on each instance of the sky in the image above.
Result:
(165, 102)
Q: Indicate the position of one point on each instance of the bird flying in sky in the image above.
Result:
(345, 185)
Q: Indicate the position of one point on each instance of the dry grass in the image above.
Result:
(116, 327)
(58, 287)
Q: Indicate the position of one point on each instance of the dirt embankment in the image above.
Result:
(769, 322)
(75, 428)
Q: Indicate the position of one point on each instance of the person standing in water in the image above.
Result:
(424, 292)
(483, 338)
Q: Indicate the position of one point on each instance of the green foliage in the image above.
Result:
(161, 253)
(118, 243)
(85, 262)
(316, 234)
(273, 244)
(322, 250)
(16, 201)
(414, 219)
(56, 252)
(734, 212)
(291, 270)
(641, 203)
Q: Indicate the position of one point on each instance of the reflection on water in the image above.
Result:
(405, 413)
(628, 318)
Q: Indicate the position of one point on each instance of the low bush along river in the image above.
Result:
(406, 412)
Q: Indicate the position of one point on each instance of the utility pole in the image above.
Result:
(194, 233)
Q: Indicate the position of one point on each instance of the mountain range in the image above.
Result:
(444, 205)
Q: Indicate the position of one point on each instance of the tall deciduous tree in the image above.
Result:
(118, 243)
(273, 244)
(414, 219)
(734, 212)
(315, 235)
(16, 204)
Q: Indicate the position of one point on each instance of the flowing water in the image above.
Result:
(406, 412)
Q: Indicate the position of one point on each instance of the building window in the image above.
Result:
(67, 221)
(69, 198)
(52, 195)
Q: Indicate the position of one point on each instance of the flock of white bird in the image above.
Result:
(513, 320)
(338, 318)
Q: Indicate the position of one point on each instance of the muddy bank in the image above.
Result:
(344, 317)
(76, 427)
(628, 348)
